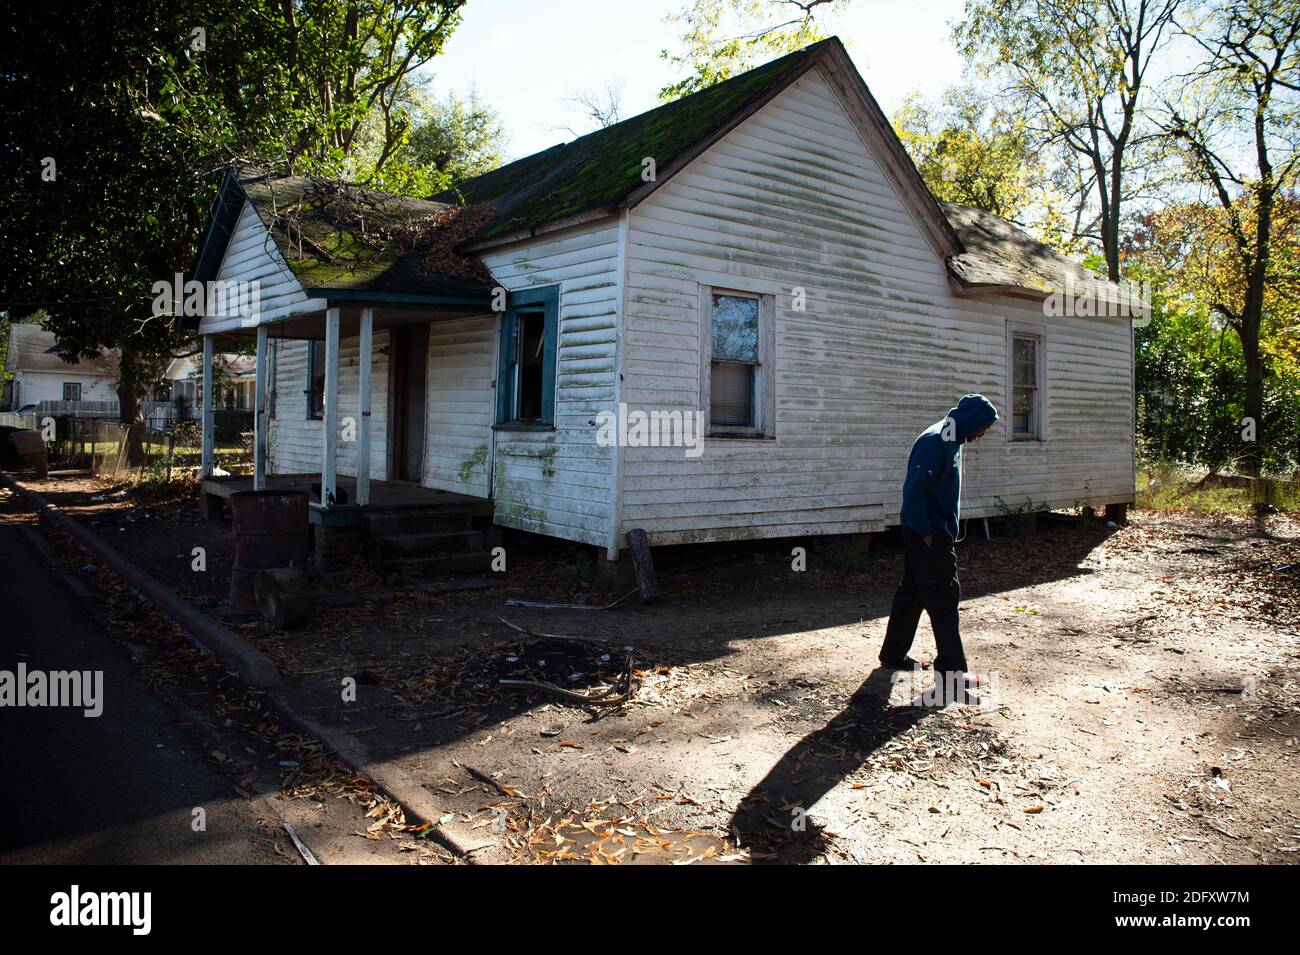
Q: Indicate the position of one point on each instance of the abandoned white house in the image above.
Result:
(43, 378)
(762, 253)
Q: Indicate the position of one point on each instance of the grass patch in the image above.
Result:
(1174, 488)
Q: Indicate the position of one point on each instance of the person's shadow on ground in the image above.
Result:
(772, 821)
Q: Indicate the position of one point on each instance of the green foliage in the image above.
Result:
(137, 103)
(970, 152)
(721, 38)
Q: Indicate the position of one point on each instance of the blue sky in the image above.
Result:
(526, 57)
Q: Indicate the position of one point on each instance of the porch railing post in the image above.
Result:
(363, 405)
(330, 422)
(259, 414)
(209, 411)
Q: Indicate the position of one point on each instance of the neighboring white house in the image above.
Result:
(41, 374)
(235, 374)
(762, 254)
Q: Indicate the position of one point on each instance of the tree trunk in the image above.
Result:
(1252, 451)
(128, 403)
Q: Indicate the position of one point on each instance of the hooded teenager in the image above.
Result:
(930, 519)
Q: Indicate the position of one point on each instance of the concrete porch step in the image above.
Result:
(425, 544)
(424, 520)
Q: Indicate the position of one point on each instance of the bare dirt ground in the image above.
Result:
(1144, 702)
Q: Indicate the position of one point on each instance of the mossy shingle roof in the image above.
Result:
(339, 237)
(999, 255)
(598, 171)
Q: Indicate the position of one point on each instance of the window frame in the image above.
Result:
(544, 299)
(1038, 411)
(764, 385)
(312, 413)
(70, 384)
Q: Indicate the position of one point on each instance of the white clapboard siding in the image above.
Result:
(561, 482)
(461, 405)
(295, 440)
(791, 199)
(33, 387)
(252, 257)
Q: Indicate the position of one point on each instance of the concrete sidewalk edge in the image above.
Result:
(255, 669)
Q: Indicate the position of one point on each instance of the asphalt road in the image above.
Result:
(117, 788)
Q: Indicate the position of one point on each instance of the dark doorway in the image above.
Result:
(409, 363)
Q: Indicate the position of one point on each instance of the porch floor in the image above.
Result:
(384, 495)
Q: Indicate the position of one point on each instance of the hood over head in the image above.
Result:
(972, 413)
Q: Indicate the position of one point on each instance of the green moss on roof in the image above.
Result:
(600, 170)
(339, 237)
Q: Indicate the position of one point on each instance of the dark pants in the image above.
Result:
(929, 583)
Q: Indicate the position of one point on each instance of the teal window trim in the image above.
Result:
(545, 299)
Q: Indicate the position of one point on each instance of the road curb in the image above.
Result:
(251, 665)
(254, 668)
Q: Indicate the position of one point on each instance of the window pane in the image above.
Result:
(531, 344)
(731, 394)
(1022, 411)
(1025, 362)
(317, 366)
(735, 328)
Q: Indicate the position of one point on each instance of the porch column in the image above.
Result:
(259, 414)
(208, 409)
(330, 422)
(363, 404)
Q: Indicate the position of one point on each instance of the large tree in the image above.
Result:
(119, 114)
(1080, 69)
(1238, 121)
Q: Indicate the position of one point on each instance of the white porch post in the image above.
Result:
(208, 409)
(330, 424)
(259, 414)
(363, 404)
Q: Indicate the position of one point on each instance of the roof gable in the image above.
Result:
(343, 241)
(33, 349)
(600, 173)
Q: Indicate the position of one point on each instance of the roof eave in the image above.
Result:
(542, 228)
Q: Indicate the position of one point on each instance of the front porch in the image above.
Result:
(385, 497)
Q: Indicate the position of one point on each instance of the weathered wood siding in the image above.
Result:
(561, 482)
(252, 256)
(794, 199)
(295, 443)
(461, 405)
(33, 387)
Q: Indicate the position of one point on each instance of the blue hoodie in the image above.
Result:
(932, 491)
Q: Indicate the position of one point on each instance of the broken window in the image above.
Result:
(734, 368)
(526, 377)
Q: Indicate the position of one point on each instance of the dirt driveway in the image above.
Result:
(1144, 702)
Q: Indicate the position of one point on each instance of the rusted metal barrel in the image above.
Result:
(270, 531)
